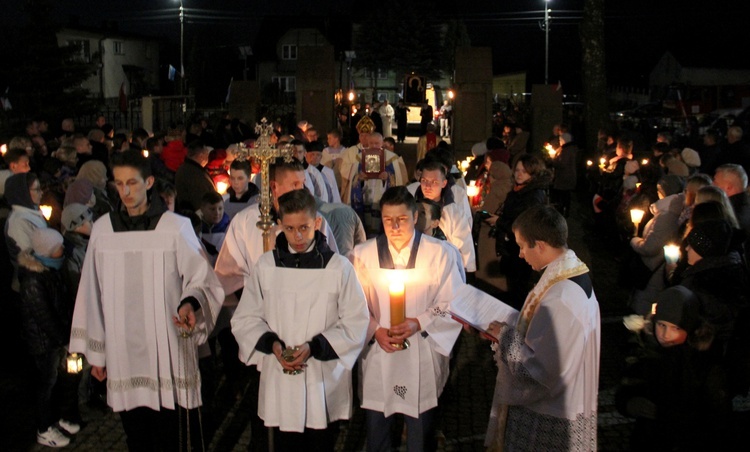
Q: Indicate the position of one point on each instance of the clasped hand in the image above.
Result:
(397, 334)
(300, 356)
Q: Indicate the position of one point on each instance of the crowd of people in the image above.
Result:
(140, 252)
(679, 218)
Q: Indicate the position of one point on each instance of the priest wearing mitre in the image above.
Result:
(409, 280)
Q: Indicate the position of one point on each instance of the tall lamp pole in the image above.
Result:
(546, 41)
(182, 48)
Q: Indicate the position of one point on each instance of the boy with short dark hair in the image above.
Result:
(214, 223)
(302, 319)
(241, 192)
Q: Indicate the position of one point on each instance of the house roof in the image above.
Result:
(710, 59)
(336, 30)
(108, 32)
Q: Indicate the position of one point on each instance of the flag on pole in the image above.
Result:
(123, 98)
(229, 90)
(5, 101)
(172, 72)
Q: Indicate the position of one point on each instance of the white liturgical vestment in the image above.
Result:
(131, 286)
(298, 304)
(408, 381)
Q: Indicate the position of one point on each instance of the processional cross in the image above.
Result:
(264, 152)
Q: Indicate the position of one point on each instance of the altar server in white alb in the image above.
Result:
(302, 320)
(396, 378)
(548, 356)
(243, 243)
(146, 299)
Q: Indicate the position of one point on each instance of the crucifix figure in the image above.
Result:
(264, 152)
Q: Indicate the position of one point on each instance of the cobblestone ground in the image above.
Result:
(465, 402)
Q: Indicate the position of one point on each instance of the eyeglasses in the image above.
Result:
(430, 183)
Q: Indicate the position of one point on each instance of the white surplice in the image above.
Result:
(243, 246)
(408, 381)
(131, 286)
(298, 304)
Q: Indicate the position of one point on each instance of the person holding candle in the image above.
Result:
(45, 328)
(302, 320)
(241, 192)
(146, 300)
(660, 230)
(396, 377)
(564, 162)
(548, 353)
(24, 193)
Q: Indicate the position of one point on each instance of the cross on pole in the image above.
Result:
(264, 152)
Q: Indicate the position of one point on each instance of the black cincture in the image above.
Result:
(384, 254)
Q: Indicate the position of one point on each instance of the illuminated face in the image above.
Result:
(36, 192)
(375, 142)
(213, 213)
(432, 183)
(239, 181)
(299, 229)
(314, 158)
(531, 253)
(425, 223)
(398, 222)
(388, 145)
(285, 182)
(333, 141)
(132, 188)
(311, 135)
(520, 175)
(299, 152)
(668, 334)
(20, 166)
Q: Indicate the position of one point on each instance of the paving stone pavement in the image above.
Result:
(465, 403)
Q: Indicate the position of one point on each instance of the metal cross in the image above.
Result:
(264, 152)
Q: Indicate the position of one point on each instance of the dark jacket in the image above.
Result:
(192, 181)
(565, 168)
(46, 312)
(518, 201)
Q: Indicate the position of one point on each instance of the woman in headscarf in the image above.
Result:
(95, 172)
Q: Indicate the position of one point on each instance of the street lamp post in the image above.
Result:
(182, 48)
(546, 41)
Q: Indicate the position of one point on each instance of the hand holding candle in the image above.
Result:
(636, 215)
(396, 291)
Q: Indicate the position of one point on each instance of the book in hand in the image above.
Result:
(477, 309)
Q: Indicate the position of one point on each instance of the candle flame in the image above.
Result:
(589, 163)
(46, 211)
(636, 215)
(222, 187)
(644, 162)
(145, 153)
(3, 149)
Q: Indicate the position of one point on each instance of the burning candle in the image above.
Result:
(644, 162)
(46, 211)
(145, 153)
(602, 162)
(398, 303)
(589, 163)
(464, 165)
(550, 150)
(636, 215)
(75, 363)
(671, 253)
(222, 187)
(472, 190)
(3, 149)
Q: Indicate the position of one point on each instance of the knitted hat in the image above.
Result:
(678, 305)
(80, 192)
(95, 172)
(479, 149)
(45, 241)
(710, 238)
(671, 185)
(677, 168)
(691, 157)
(631, 167)
(74, 215)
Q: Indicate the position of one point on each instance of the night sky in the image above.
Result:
(637, 31)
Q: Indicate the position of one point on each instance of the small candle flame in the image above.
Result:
(145, 153)
(589, 163)
(46, 211)
(636, 215)
(222, 187)
(644, 162)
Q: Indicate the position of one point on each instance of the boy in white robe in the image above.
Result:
(303, 300)
(548, 354)
(395, 379)
(146, 299)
